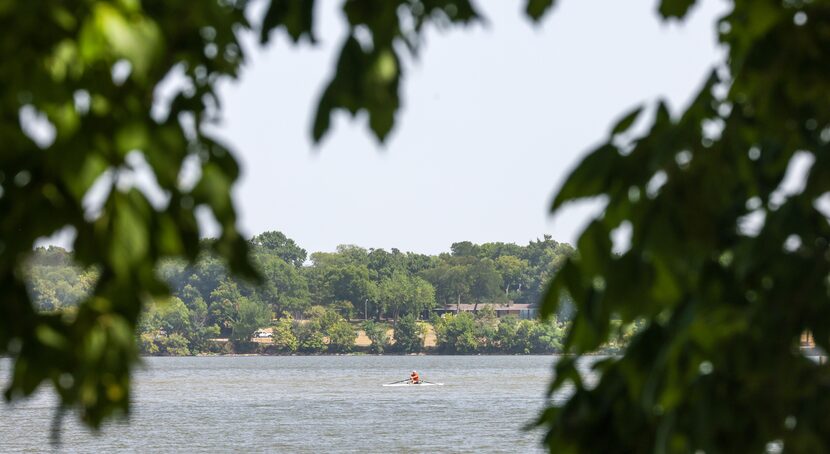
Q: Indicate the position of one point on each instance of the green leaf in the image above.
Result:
(296, 16)
(86, 173)
(130, 236)
(130, 137)
(50, 337)
(626, 121)
(214, 189)
(594, 248)
(675, 8)
(536, 9)
(565, 370)
(591, 176)
(364, 80)
(108, 35)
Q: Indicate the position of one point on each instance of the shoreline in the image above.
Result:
(226, 355)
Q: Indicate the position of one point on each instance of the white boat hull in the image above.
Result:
(412, 384)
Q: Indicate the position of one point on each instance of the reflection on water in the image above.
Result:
(308, 404)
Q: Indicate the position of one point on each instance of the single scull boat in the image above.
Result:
(422, 383)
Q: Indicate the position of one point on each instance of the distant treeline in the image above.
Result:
(326, 331)
(351, 283)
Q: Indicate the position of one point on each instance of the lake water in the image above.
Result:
(307, 404)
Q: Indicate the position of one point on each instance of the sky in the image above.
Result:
(493, 118)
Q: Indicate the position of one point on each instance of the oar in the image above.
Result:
(396, 382)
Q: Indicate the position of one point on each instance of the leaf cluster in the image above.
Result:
(725, 267)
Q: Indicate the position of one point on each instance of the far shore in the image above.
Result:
(225, 355)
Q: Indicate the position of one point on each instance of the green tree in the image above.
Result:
(486, 327)
(485, 281)
(494, 251)
(465, 249)
(451, 282)
(377, 333)
(200, 338)
(193, 300)
(524, 336)
(161, 320)
(344, 308)
(341, 276)
(409, 334)
(325, 317)
(383, 264)
(173, 272)
(309, 336)
(55, 281)
(173, 345)
(283, 286)
(168, 316)
(284, 338)
(507, 335)
(416, 263)
(147, 344)
(401, 293)
(175, 316)
(392, 293)
(546, 337)
(544, 258)
(251, 316)
(224, 304)
(353, 255)
(422, 297)
(341, 337)
(513, 272)
(276, 243)
(50, 256)
(456, 333)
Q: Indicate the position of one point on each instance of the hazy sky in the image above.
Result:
(493, 117)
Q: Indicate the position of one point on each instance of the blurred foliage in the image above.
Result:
(80, 105)
(724, 270)
(726, 266)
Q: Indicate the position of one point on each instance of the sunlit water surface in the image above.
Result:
(307, 404)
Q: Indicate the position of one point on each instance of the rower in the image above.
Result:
(414, 378)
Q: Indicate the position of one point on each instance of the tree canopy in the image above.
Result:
(351, 280)
(725, 266)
